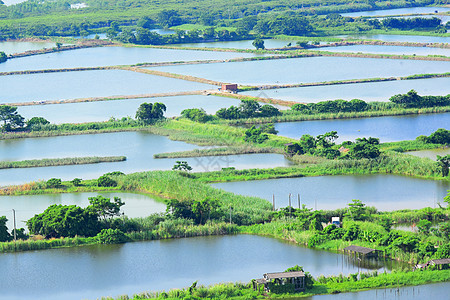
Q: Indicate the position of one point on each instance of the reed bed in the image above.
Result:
(51, 162)
(217, 152)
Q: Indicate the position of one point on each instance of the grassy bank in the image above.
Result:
(331, 285)
(218, 152)
(52, 162)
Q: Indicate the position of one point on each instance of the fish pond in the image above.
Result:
(369, 91)
(138, 147)
(111, 56)
(308, 69)
(84, 84)
(431, 154)
(11, 47)
(399, 38)
(387, 129)
(26, 206)
(103, 110)
(397, 11)
(385, 192)
(381, 49)
(91, 272)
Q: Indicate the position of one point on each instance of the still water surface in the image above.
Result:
(382, 49)
(370, 91)
(311, 69)
(399, 38)
(111, 270)
(385, 192)
(136, 205)
(245, 44)
(103, 110)
(18, 47)
(431, 154)
(387, 129)
(86, 84)
(111, 56)
(138, 147)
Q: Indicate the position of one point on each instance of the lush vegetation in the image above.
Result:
(48, 162)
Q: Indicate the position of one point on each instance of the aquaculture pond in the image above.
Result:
(104, 110)
(370, 91)
(381, 49)
(428, 291)
(385, 192)
(11, 47)
(87, 84)
(138, 147)
(399, 38)
(431, 154)
(245, 44)
(136, 205)
(111, 56)
(444, 18)
(387, 129)
(397, 11)
(285, 71)
(90, 272)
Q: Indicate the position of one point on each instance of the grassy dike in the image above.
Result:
(52, 162)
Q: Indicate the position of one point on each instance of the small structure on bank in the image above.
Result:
(361, 251)
(443, 263)
(229, 87)
(282, 282)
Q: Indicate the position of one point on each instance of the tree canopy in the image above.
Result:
(149, 112)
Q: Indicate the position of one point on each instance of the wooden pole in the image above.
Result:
(299, 204)
(273, 202)
(289, 204)
(14, 218)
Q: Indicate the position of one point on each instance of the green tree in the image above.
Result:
(53, 183)
(76, 181)
(169, 18)
(104, 207)
(424, 226)
(4, 234)
(365, 148)
(36, 122)
(106, 181)
(440, 136)
(356, 210)
(255, 135)
(3, 57)
(308, 143)
(149, 112)
(258, 44)
(196, 115)
(444, 163)
(181, 166)
(10, 118)
(111, 236)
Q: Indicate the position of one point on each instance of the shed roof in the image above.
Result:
(359, 249)
(261, 280)
(270, 276)
(442, 261)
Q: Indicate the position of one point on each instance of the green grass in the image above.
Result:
(51, 162)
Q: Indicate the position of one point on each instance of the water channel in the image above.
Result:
(399, 38)
(110, 270)
(370, 91)
(382, 49)
(311, 69)
(385, 192)
(387, 129)
(86, 84)
(138, 147)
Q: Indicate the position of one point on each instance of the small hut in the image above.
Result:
(282, 281)
(230, 87)
(361, 251)
(442, 263)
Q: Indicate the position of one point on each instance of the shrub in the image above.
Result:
(106, 181)
(111, 236)
(53, 183)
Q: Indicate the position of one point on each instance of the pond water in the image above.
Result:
(84, 84)
(387, 129)
(444, 18)
(397, 50)
(136, 205)
(397, 11)
(428, 291)
(385, 192)
(90, 272)
(431, 154)
(245, 44)
(370, 91)
(104, 110)
(138, 147)
(399, 38)
(102, 36)
(19, 47)
(111, 56)
(311, 69)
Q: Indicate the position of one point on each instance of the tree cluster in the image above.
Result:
(199, 211)
(412, 99)
(149, 112)
(196, 115)
(247, 109)
(331, 106)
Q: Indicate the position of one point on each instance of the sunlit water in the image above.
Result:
(397, 11)
(399, 38)
(395, 50)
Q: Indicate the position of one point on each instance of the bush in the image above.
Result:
(53, 183)
(106, 181)
(111, 236)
